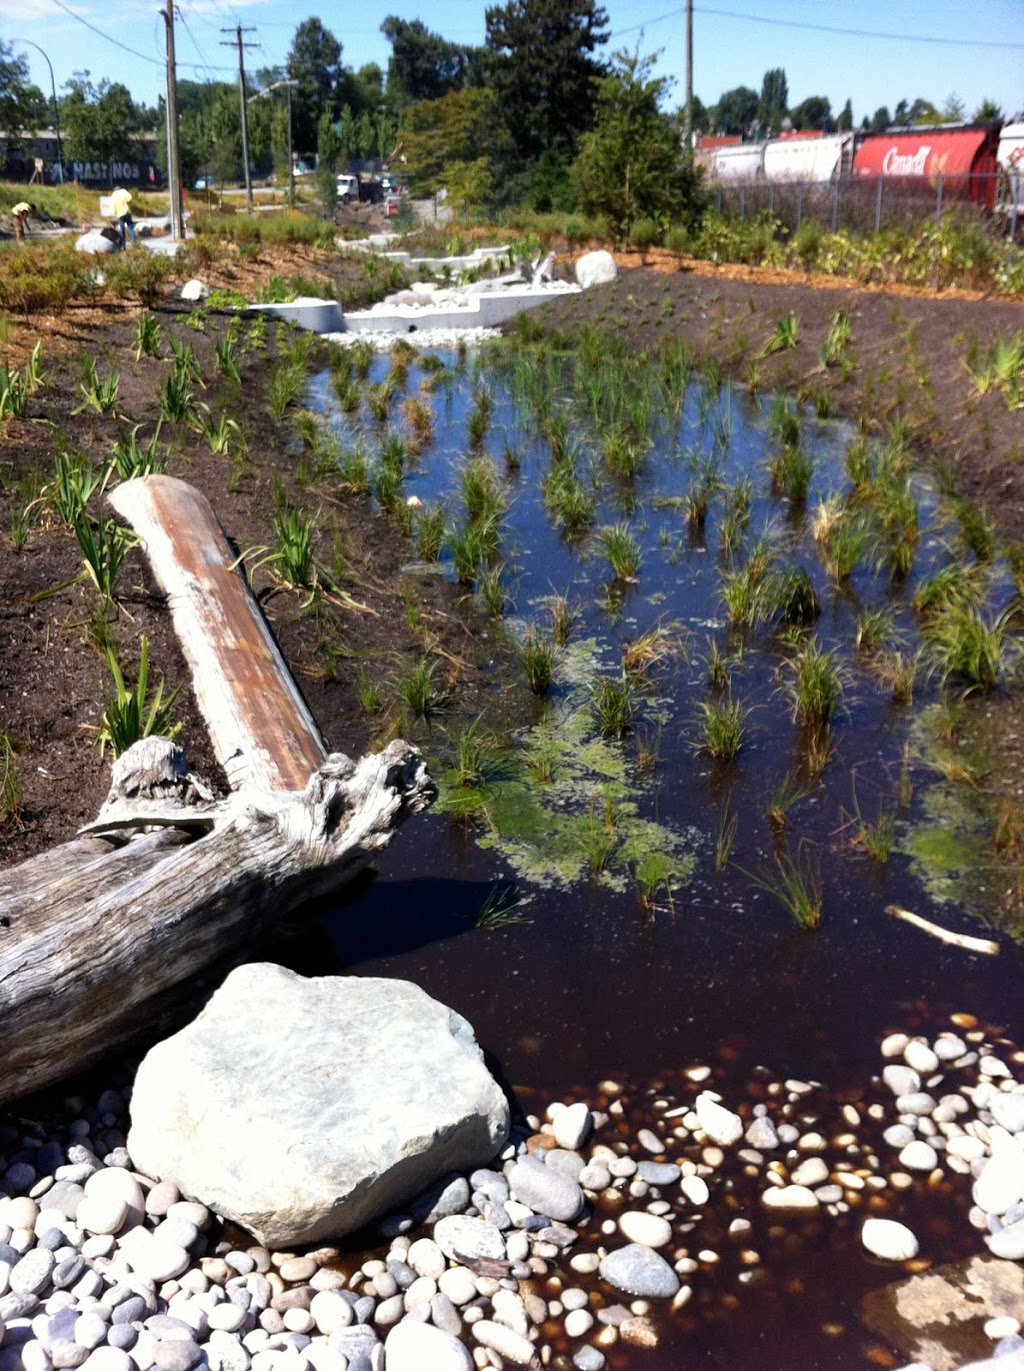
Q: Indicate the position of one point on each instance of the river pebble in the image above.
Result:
(637, 1270)
(644, 1228)
(889, 1240)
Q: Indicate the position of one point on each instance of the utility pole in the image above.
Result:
(238, 30)
(688, 117)
(173, 159)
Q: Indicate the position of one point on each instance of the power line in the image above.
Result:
(116, 41)
(820, 28)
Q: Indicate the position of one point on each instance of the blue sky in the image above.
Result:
(735, 41)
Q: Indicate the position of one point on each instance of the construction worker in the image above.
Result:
(121, 204)
(21, 211)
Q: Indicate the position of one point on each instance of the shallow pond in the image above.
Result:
(570, 903)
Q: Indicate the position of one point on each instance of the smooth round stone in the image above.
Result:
(596, 1177)
(919, 1156)
(90, 1330)
(968, 1148)
(183, 1233)
(762, 1135)
(426, 1258)
(589, 1359)
(695, 1188)
(330, 1310)
(102, 1213)
(161, 1197)
(649, 1141)
(640, 1271)
(297, 1270)
(654, 1173)
(899, 1135)
(917, 1102)
(1000, 1185)
(416, 1346)
(571, 1126)
(889, 1240)
(192, 1210)
(19, 1177)
(1008, 1243)
(544, 1190)
(508, 1344)
(578, 1323)
(574, 1298)
(789, 1197)
(112, 1181)
(894, 1045)
(109, 1359)
(647, 1229)
(298, 1320)
(65, 1355)
(901, 1080)
(812, 1172)
(1003, 1327)
(458, 1284)
(67, 1271)
(444, 1315)
(949, 1049)
(32, 1272)
(1008, 1111)
(20, 1212)
(123, 1335)
(159, 1261)
(461, 1236)
(177, 1354)
(227, 1317)
(720, 1124)
(920, 1057)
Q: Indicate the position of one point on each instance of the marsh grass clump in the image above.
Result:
(837, 340)
(482, 496)
(783, 336)
(723, 727)
(147, 336)
(415, 689)
(957, 583)
(790, 471)
(796, 884)
(11, 793)
(743, 588)
(430, 532)
(368, 695)
(783, 424)
(896, 512)
(285, 388)
(226, 359)
(131, 714)
(621, 550)
(875, 836)
(612, 706)
(293, 557)
(966, 644)
(789, 595)
(104, 545)
(900, 672)
(353, 468)
(569, 503)
(478, 756)
(646, 652)
(782, 799)
(817, 686)
(876, 629)
(538, 656)
(623, 454)
(492, 591)
(725, 837)
(130, 458)
(99, 395)
(564, 618)
(705, 483)
(177, 398)
(71, 487)
(976, 532)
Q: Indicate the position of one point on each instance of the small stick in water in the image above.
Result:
(964, 940)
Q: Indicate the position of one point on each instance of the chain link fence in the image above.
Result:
(874, 204)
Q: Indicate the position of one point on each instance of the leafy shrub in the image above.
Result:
(46, 279)
(644, 234)
(138, 272)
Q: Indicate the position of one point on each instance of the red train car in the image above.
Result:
(963, 159)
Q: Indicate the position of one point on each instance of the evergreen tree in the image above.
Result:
(544, 72)
(845, 121)
(774, 101)
(315, 62)
(736, 111)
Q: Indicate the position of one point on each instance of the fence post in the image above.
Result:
(799, 204)
(835, 207)
(878, 208)
(938, 203)
(718, 200)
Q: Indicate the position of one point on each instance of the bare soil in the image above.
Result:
(909, 353)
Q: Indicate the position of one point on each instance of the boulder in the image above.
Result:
(96, 241)
(596, 269)
(195, 290)
(303, 1108)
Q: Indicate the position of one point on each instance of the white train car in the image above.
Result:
(808, 159)
(742, 162)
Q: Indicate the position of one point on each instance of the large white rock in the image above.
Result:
(888, 1239)
(95, 241)
(596, 269)
(304, 1108)
(720, 1124)
(195, 290)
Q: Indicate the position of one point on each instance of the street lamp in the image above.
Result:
(265, 92)
(56, 112)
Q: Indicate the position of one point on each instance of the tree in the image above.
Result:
(100, 123)
(880, 120)
(845, 121)
(438, 134)
(902, 114)
(774, 101)
(544, 72)
(315, 62)
(923, 112)
(631, 165)
(988, 112)
(422, 65)
(22, 105)
(736, 111)
(370, 82)
(813, 113)
(953, 111)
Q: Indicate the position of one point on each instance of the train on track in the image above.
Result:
(980, 163)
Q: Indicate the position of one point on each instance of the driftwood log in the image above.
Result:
(169, 879)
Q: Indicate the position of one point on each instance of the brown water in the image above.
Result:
(592, 984)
